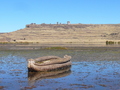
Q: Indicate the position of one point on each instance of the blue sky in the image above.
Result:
(15, 14)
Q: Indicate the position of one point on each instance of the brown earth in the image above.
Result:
(64, 33)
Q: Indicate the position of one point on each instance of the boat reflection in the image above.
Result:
(35, 76)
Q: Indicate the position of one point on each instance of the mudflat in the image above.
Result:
(53, 46)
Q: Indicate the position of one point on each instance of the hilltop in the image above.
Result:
(64, 33)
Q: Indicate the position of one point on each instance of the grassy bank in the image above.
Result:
(112, 42)
(26, 43)
(56, 48)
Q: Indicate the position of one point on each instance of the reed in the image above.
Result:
(26, 43)
(58, 48)
(118, 42)
(111, 42)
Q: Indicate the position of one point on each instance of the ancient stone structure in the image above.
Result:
(34, 25)
(68, 22)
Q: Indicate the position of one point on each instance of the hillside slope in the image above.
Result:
(63, 33)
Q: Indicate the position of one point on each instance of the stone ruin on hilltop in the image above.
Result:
(34, 25)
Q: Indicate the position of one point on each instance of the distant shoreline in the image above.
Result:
(53, 46)
(37, 36)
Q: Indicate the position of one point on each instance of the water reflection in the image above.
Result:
(36, 76)
(97, 69)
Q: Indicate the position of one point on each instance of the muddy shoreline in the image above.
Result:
(46, 46)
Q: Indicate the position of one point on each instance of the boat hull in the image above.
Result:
(49, 64)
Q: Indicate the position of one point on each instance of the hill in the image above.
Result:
(64, 33)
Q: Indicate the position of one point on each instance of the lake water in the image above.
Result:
(92, 69)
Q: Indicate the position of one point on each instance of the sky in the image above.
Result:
(15, 14)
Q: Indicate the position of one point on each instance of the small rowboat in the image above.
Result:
(48, 63)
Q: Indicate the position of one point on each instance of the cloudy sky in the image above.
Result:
(15, 14)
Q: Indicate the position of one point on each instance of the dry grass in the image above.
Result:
(74, 33)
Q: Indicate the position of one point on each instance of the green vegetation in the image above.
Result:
(26, 43)
(111, 42)
(4, 42)
(118, 42)
(14, 42)
(58, 48)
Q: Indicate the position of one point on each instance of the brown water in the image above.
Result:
(92, 69)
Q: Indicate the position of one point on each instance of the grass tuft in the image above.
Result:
(111, 42)
(57, 48)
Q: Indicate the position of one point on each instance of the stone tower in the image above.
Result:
(68, 22)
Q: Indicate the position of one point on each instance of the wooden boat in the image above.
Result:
(49, 63)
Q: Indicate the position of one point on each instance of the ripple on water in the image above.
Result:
(92, 71)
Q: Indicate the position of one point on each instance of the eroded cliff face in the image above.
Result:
(64, 33)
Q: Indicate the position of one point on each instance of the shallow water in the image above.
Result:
(92, 69)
